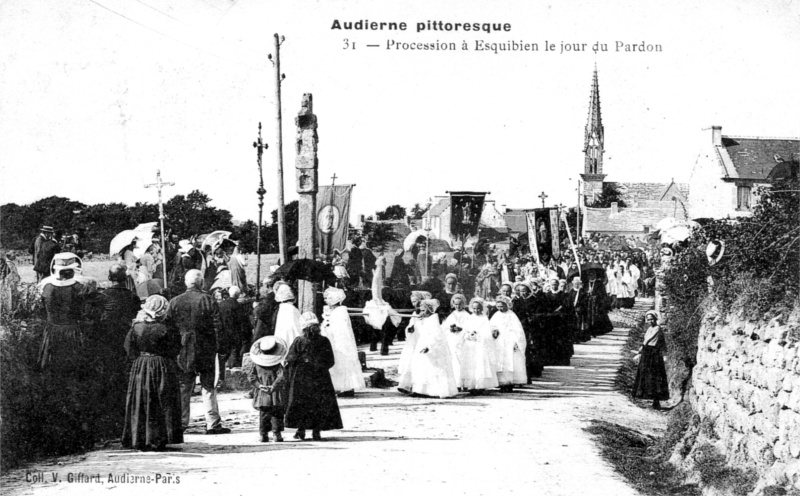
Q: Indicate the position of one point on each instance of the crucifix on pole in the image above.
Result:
(543, 196)
(160, 184)
(259, 146)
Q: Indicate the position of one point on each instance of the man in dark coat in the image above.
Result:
(118, 307)
(236, 330)
(266, 312)
(369, 262)
(44, 249)
(195, 314)
(597, 306)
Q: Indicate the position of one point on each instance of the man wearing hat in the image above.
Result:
(43, 250)
(195, 314)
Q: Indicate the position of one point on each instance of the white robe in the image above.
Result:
(346, 371)
(431, 373)
(458, 318)
(287, 324)
(409, 347)
(476, 354)
(510, 362)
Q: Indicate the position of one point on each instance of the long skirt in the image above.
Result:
(153, 409)
(311, 399)
(651, 376)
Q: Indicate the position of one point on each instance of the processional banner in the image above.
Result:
(333, 217)
(543, 234)
(466, 208)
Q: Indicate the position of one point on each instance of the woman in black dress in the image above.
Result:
(651, 376)
(153, 409)
(312, 399)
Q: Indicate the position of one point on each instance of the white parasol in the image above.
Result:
(143, 233)
(214, 238)
(412, 238)
(667, 223)
(676, 234)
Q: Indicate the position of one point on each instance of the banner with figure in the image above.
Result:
(466, 208)
(333, 217)
(555, 239)
(532, 244)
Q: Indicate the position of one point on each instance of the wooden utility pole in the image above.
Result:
(259, 146)
(159, 184)
(279, 145)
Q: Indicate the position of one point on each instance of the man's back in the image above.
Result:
(195, 314)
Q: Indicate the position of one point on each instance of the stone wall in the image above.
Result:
(746, 391)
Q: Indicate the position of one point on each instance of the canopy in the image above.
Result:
(142, 232)
(308, 270)
(676, 234)
(414, 238)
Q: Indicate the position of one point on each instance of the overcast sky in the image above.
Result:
(96, 95)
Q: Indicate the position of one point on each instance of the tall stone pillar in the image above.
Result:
(306, 165)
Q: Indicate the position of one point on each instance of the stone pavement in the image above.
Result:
(531, 441)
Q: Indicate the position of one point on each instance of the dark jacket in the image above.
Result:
(234, 323)
(195, 314)
(266, 313)
(45, 251)
(268, 376)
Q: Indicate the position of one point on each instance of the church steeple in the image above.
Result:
(593, 138)
(593, 145)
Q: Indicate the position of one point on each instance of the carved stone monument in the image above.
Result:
(306, 165)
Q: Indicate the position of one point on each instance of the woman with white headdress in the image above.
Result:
(511, 345)
(431, 369)
(346, 371)
(453, 327)
(287, 324)
(477, 350)
(412, 336)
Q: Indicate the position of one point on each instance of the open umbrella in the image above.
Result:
(142, 232)
(592, 267)
(214, 238)
(414, 238)
(676, 234)
(438, 246)
(308, 270)
(667, 223)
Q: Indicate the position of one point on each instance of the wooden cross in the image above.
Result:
(543, 196)
(333, 180)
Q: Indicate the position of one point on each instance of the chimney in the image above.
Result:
(716, 135)
(614, 208)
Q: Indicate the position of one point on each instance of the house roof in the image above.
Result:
(754, 157)
(516, 222)
(628, 219)
(440, 207)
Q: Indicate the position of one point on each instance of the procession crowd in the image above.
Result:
(521, 315)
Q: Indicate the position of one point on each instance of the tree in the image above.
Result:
(417, 211)
(608, 195)
(193, 214)
(379, 236)
(292, 217)
(393, 212)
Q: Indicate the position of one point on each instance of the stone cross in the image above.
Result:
(543, 196)
(306, 165)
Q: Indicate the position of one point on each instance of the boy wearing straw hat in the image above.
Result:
(266, 376)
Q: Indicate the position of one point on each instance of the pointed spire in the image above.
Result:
(594, 141)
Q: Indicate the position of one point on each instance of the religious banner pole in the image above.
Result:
(279, 145)
(159, 184)
(259, 146)
(331, 204)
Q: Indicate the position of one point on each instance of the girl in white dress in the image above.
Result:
(431, 368)
(453, 327)
(287, 323)
(346, 371)
(510, 346)
(477, 351)
(411, 335)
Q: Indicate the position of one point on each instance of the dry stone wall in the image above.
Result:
(746, 389)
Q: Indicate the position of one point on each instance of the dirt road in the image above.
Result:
(528, 442)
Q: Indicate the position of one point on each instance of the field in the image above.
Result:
(98, 269)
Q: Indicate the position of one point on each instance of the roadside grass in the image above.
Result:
(640, 460)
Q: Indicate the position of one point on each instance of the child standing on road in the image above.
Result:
(267, 378)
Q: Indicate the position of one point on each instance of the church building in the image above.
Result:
(645, 203)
